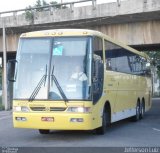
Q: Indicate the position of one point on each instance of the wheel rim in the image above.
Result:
(142, 110)
(104, 124)
(104, 119)
(137, 111)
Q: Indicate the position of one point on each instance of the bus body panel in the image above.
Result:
(61, 121)
(123, 91)
(61, 118)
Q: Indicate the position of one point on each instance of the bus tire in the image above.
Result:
(142, 110)
(43, 131)
(101, 130)
(137, 116)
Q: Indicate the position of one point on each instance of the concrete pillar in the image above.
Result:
(119, 2)
(51, 10)
(5, 98)
(72, 7)
(94, 4)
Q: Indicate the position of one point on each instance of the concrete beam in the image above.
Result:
(109, 13)
(139, 33)
(133, 22)
(11, 42)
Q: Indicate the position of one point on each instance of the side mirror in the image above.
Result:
(12, 70)
(97, 73)
(97, 79)
(95, 70)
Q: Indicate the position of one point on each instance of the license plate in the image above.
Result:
(47, 119)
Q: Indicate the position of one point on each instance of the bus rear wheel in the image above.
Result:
(43, 131)
(142, 110)
(105, 120)
(137, 116)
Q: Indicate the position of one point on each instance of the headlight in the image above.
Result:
(20, 109)
(79, 109)
(16, 108)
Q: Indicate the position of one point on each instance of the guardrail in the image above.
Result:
(50, 7)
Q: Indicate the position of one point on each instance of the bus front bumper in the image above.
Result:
(53, 121)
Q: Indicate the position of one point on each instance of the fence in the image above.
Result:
(49, 7)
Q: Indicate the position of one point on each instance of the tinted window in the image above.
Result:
(117, 58)
(121, 60)
(98, 47)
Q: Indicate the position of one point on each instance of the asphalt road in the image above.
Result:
(144, 133)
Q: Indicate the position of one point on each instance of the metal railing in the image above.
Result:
(50, 7)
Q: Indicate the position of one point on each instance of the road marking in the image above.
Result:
(156, 129)
(5, 117)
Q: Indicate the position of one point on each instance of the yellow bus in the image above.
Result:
(78, 79)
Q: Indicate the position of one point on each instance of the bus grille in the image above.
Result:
(57, 108)
(38, 108)
(52, 109)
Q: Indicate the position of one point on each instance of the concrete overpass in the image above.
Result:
(136, 23)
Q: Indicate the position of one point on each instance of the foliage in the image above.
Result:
(39, 3)
(158, 71)
(0, 78)
(155, 56)
(29, 15)
(1, 106)
(58, 6)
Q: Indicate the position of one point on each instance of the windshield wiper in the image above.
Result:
(53, 77)
(39, 85)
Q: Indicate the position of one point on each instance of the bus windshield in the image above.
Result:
(54, 68)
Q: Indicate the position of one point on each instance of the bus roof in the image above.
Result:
(61, 32)
(77, 32)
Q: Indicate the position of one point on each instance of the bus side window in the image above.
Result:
(110, 56)
(108, 64)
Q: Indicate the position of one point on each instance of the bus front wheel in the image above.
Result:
(101, 130)
(43, 131)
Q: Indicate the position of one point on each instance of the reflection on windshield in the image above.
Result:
(38, 87)
(51, 94)
(33, 56)
(70, 59)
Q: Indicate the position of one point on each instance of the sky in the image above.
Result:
(7, 5)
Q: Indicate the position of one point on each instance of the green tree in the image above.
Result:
(155, 57)
(54, 3)
(44, 3)
(29, 15)
(1, 106)
(57, 6)
(0, 78)
(39, 3)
